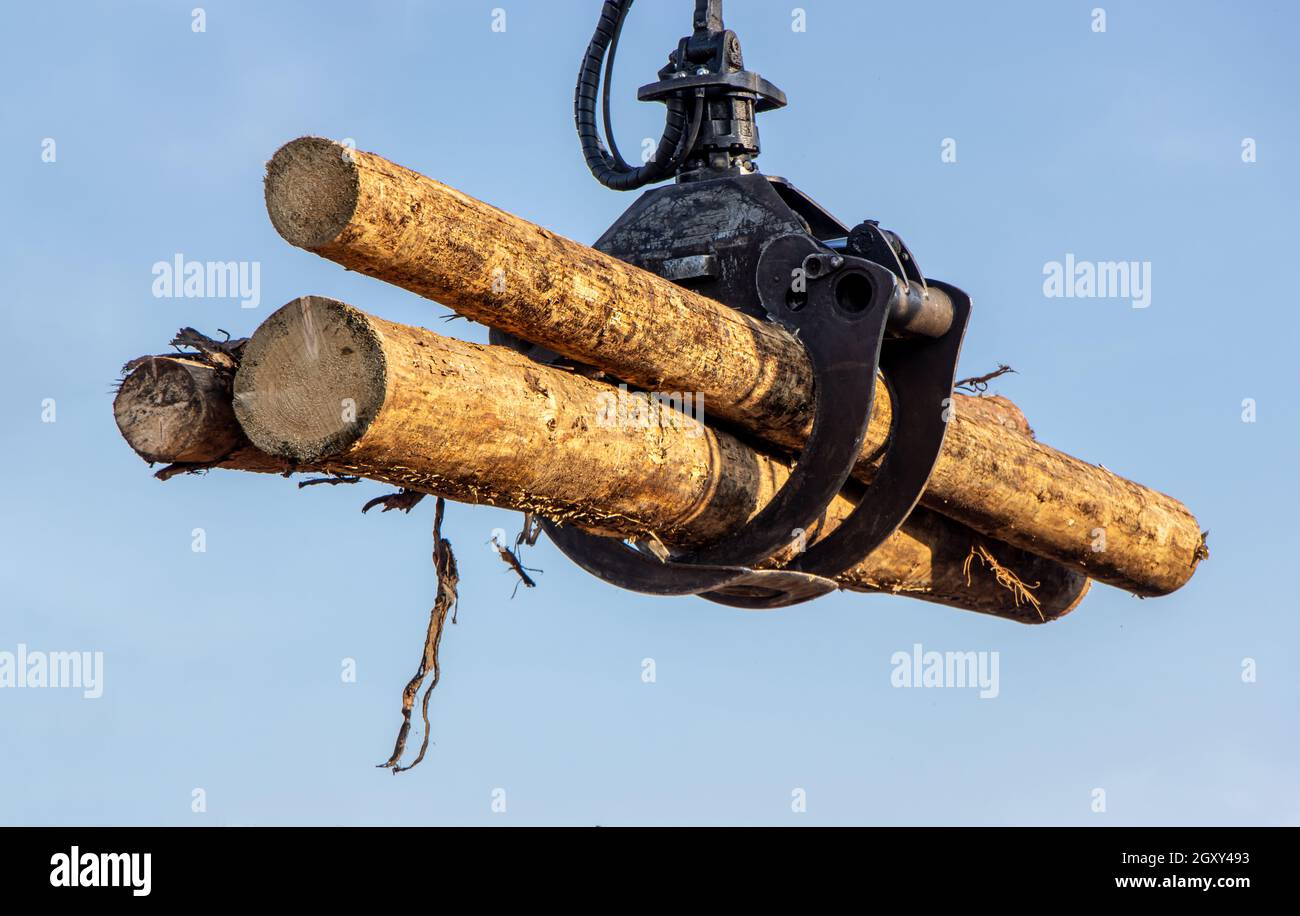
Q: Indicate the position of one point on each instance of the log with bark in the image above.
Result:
(381, 219)
(177, 410)
(324, 387)
(167, 405)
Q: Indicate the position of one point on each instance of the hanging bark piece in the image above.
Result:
(444, 564)
(381, 219)
(329, 387)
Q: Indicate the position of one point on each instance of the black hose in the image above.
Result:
(606, 91)
(612, 170)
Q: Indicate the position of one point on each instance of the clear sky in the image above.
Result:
(222, 669)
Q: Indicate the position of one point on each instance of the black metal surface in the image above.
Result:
(766, 590)
(868, 240)
(841, 325)
(620, 564)
(704, 84)
(858, 302)
(730, 219)
(818, 221)
(920, 373)
(916, 312)
(738, 240)
(766, 97)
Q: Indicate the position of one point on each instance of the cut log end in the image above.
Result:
(311, 381)
(171, 409)
(311, 189)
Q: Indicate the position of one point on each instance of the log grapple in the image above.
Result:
(855, 298)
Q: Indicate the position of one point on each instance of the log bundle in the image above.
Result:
(1008, 526)
(328, 388)
(373, 216)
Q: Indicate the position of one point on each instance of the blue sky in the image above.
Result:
(222, 668)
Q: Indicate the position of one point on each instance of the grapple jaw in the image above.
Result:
(856, 299)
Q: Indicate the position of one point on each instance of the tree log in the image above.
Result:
(381, 219)
(326, 387)
(178, 410)
(927, 559)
